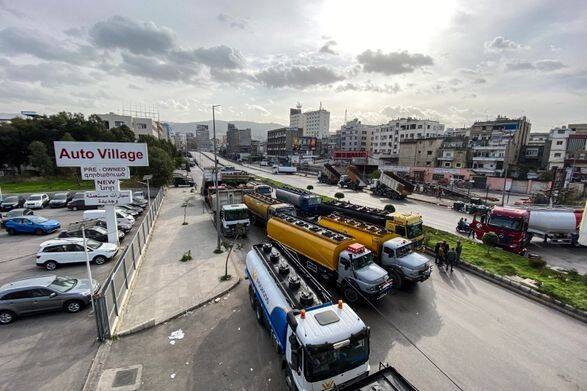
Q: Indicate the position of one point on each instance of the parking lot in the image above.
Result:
(58, 347)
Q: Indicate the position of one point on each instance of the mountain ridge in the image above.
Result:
(258, 129)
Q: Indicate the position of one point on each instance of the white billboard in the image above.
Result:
(81, 153)
(105, 172)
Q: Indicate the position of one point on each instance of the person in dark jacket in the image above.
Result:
(458, 250)
(451, 257)
(437, 252)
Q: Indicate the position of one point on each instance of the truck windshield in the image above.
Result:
(414, 230)
(313, 200)
(361, 261)
(505, 222)
(320, 365)
(236, 214)
(403, 251)
(288, 211)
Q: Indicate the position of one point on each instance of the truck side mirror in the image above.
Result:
(345, 262)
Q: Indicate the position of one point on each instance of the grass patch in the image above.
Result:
(50, 184)
(570, 288)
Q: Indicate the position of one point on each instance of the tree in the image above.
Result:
(339, 195)
(160, 166)
(310, 187)
(490, 239)
(389, 208)
(39, 158)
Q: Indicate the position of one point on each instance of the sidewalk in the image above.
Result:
(166, 287)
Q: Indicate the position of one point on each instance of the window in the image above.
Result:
(429, 153)
(142, 126)
(73, 247)
(557, 154)
(53, 249)
(26, 294)
(419, 126)
(41, 292)
(446, 164)
(559, 142)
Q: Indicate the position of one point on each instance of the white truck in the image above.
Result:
(322, 345)
(277, 169)
(557, 226)
(392, 186)
(234, 214)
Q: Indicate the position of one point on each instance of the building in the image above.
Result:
(354, 136)
(454, 151)
(6, 118)
(532, 157)
(203, 138)
(238, 141)
(556, 148)
(180, 141)
(497, 145)
(576, 155)
(281, 142)
(386, 138)
(420, 152)
(315, 123)
(140, 126)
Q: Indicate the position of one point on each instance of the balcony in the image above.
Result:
(488, 158)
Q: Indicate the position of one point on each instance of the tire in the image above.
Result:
(74, 208)
(350, 294)
(73, 306)
(100, 260)
(396, 278)
(50, 265)
(39, 231)
(252, 298)
(7, 317)
(10, 231)
(259, 315)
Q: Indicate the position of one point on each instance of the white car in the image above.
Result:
(55, 252)
(124, 218)
(36, 201)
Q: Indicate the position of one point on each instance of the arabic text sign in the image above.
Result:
(77, 154)
(122, 197)
(105, 172)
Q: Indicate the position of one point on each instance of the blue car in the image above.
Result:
(31, 225)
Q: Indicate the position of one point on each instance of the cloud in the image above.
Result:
(221, 57)
(230, 76)
(156, 69)
(327, 48)
(298, 76)
(409, 111)
(235, 23)
(137, 37)
(541, 65)
(260, 109)
(49, 74)
(393, 63)
(11, 11)
(21, 41)
(369, 87)
(499, 44)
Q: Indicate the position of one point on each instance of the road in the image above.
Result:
(55, 350)
(433, 215)
(459, 326)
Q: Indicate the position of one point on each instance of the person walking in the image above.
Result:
(458, 250)
(437, 252)
(444, 247)
(451, 257)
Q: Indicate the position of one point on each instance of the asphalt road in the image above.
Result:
(482, 336)
(50, 351)
(435, 216)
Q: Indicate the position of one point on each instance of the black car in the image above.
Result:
(60, 200)
(11, 202)
(183, 181)
(97, 233)
(15, 213)
(79, 204)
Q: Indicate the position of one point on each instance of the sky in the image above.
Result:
(448, 60)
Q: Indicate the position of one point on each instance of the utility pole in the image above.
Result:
(505, 178)
(215, 176)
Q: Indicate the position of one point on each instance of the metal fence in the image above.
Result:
(108, 301)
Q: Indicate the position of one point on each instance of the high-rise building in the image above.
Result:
(296, 117)
(556, 147)
(238, 140)
(203, 138)
(282, 142)
(314, 123)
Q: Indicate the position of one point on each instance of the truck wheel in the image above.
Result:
(259, 315)
(350, 294)
(252, 298)
(396, 278)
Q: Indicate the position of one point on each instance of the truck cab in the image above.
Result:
(403, 264)
(234, 219)
(509, 224)
(407, 225)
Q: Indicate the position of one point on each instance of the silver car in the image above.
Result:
(42, 294)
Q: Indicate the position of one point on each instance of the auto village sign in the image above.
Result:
(106, 164)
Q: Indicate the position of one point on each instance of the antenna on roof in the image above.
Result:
(320, 105)
(345, 116)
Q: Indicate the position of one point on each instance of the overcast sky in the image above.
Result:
(453, 61)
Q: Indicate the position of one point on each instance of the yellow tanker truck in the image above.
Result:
(333, 256)
(394, 253)
(263, 207)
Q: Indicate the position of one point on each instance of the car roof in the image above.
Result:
(28, 282)
(57, 242)
(38, 194)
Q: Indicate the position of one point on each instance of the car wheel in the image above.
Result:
(39, 231)
(74, 208)
(350, 294)
(50, 265)
(73, 306)
(7, 317)
(100, 260)
(10, 231)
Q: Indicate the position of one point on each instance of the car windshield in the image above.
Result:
(414, 230)
(60, 196)
(313, 200)
(361, 261)
(11, 199)
(37, 219)
(236, 214)
(324, 364)
(34, 198)
(13, 213)
(63, 284)
(505, 222)
(93, 244)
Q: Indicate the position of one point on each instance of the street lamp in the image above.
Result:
(215, 176)
(148, 178)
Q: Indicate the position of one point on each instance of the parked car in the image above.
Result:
(122, 219)
(78, 203)
(15, 213)
(60, 200)
(31, 225)
(42, 294)
(37, 201)
(11, 202)
(129, 210)
(121, 215)
(122, 226)
(136, 208)
(96, 233)
(55, 252)
(183, 180)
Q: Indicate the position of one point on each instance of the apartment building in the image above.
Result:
(421, 152)
(556, 147)
(454, 151)
(140, 126)
(281, 142)
(315, 123)
(355, 136)
(203, 138)
(238, 140)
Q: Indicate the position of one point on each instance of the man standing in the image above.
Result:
(437, 252)
(458, 250)
(451, 257)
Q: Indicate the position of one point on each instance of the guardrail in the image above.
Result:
(108, 301)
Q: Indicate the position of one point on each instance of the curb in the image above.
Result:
(522, 289)
(98, 362)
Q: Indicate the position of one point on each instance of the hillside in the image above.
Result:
(258, 130)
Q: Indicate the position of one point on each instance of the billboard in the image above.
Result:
(77, 153)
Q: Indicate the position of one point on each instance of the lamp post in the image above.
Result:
(148, 178)
(215, 177)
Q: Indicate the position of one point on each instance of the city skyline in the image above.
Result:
(447, 61)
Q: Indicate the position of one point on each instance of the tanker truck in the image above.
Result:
(406, 225)
(307, 203)
(307, 329)
(333, 256)
(262, 207)
(394, 253)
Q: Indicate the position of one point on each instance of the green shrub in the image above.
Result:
(536, 262)
(339, 195)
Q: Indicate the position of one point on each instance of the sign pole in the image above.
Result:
(88, 267)
(111, 223)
